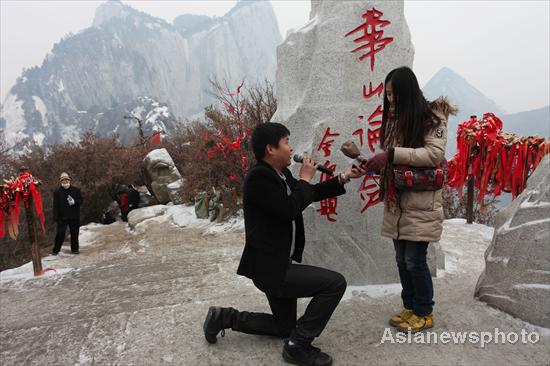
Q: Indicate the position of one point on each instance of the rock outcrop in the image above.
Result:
(517, 263)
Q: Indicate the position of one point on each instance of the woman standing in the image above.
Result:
(414, 133)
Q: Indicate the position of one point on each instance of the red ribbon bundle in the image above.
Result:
(15, 191)
(499, 161)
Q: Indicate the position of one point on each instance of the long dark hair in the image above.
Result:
(414, 116)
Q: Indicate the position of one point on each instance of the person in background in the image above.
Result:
(133, 198)
(67, 201)
(123, 202)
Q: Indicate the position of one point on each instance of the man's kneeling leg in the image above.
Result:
(218, 319)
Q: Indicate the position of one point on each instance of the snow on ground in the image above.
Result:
(372, 291)
(456, 234)
(459, 236)
(87, 236)
(18, 276)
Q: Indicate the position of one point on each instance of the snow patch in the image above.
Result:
(537, 286)
(233, 224)
(86, 236)
(14, 115)
(372, 291)
(175, 185)
(159, 154)
(69, 133)
(41, 108)
(17, 277)
(184, 217)
(506, 227)
(541, 204)
(38, 137)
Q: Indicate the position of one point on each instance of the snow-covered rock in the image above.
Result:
(181, 216)
(162, 177)
(517, 263)
(141, 214)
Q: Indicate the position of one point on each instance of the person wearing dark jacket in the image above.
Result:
(273, 202)
(133, 197)
(66, 212)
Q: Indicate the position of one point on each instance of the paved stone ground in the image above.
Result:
(140, 299)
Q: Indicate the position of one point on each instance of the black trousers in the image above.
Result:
(414, 273)
(74, 226)
(326, 287)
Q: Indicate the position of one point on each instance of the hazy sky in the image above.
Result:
(501, 47)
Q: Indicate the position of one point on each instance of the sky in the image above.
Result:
(500, 47)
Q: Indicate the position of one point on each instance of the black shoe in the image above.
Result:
(54, 253)
(76, 252)
(305, 355)
(217, 319)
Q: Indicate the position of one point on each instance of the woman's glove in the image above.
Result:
(377, 162)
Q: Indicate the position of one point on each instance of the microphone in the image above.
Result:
(351, 150)
(299, 159)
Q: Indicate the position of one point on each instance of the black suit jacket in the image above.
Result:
(61, 208)
(268, 215)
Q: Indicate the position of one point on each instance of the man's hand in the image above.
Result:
(354, 172)
(308, 169)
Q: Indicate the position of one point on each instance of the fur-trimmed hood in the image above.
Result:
(442, 106)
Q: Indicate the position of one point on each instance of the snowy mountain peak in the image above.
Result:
(92, 78)
(111, 9)
(469, 99)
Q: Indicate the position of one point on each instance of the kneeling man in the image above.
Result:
(273, 202)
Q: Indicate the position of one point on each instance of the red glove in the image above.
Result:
(377, 162)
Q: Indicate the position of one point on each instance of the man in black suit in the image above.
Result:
(273, 202)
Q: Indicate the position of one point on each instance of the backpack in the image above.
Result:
(124, 205)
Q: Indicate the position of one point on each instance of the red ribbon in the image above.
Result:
(499, 162)
(13, 193)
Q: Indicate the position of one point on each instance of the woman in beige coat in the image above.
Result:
(413, 132)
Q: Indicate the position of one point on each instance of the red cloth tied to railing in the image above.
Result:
(499, 161)
(15, 191)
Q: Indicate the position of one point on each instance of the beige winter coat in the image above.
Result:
(418, 216)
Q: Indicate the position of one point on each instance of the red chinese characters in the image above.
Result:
(329, 205)
(372, 35)
(369, 191)
(371, 42)
(375, 121)
(326, 142)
